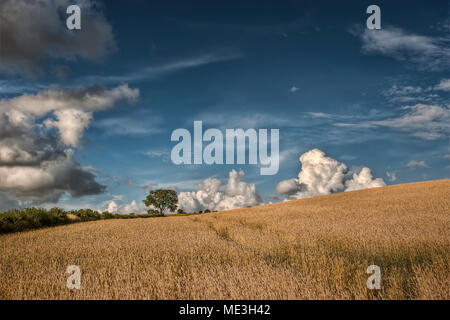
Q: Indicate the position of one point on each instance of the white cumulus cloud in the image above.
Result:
(363, 180)
(127, 208)
(321, 175)
(212, 195)
(91, 98)
(71, 123)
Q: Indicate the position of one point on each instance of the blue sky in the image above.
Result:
(367, 98)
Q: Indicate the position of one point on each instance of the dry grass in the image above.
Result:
(316, 248)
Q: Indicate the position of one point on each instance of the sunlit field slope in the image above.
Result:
(316, 248)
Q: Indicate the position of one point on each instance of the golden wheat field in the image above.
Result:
(317, 248)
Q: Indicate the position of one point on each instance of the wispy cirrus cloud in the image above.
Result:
(409, 94)
(12, 87)
(417, 164)
(130, 125)
(425, 52)
(428, 122)
(156, 71)
(392, 175)
(161, 154)
(221, 119)
(444, 85)
(320, 115)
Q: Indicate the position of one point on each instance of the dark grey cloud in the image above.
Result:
(32, 31)
(36, 166)
(7, 203)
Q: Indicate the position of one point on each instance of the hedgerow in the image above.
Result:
(18, 220)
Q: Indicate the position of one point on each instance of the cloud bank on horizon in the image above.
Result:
(320, 175)
(211, 195)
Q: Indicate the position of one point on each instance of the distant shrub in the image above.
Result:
(154, 213)
(86, 214)
(31, 218)
(106, 215)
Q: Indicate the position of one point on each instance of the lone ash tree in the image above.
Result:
(161, 199)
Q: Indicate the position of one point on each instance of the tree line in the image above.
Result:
(159, 202)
